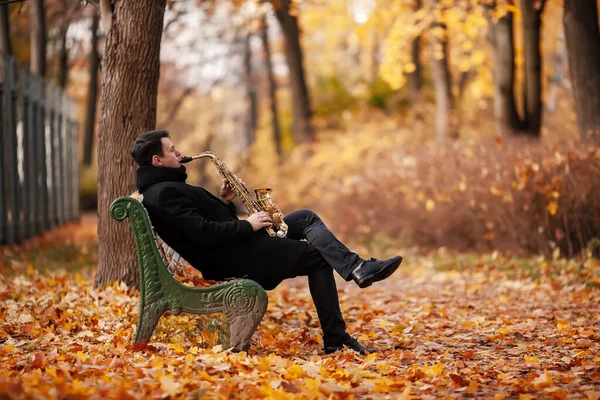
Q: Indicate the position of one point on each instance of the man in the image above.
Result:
(205, 231)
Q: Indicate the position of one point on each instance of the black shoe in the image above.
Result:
(374, 270)
(350, 343)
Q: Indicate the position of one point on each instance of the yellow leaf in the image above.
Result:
(409, 68)
(209, 337)
(51, 371)
(478, 57)
(561, 327)
(430, 205)
(495, 190)
(529, 358)
(504, 330)
(82, 357)
(433, 370)
(312, 383)
(294, 372)
(552, 208)
(177, 348)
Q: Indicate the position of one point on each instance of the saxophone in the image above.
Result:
(260, 201)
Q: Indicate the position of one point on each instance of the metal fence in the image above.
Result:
(39, 180)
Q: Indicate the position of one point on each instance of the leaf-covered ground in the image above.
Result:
(446, 326)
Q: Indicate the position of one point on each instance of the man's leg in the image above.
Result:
(323, 291)
(324, 294)
(306, 224)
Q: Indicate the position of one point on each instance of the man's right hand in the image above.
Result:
(260, 220)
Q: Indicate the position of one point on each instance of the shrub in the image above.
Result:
(521, 195)
(332, 97)
(380, 94)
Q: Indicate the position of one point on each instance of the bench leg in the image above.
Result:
(149, 316)
(245, 306)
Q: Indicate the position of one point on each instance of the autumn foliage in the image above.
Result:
(464, 326)
(514, 195)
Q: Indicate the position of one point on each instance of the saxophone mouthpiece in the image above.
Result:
(185, 159)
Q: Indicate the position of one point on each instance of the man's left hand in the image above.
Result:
(227, 194)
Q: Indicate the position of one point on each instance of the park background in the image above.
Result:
(462, 134)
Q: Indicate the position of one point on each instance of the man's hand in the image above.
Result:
(227, 194)
(260, 220)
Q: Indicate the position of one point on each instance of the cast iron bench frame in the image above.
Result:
(242, 301)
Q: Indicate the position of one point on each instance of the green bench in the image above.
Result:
(242, 301)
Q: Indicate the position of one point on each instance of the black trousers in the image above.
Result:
(325, 253)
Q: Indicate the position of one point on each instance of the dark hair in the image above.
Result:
(146, 145)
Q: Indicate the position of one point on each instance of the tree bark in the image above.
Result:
(442, 81)
(130, 74)
(5, 45)
(92, 99)
(414, 78)
(301, 110)
(38, 37)
(251, 96)
(465, 76)
(583, 48)
(505, 111)
(272, 87)
(63, 55)
(558, 74)
(532, 88)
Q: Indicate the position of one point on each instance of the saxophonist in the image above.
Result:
(205, 230)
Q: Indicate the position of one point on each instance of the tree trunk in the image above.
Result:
(272, 87)
(301, 111)
(583, 47)
(92, 99)
(5, 45)
(38, 37)
(532, 88)
(251, 97)
(63, 55)
(558, 75)
(465, 75)
(505, 111)
(442, 81)
(414, 78)
(130, 74)
(375, 49)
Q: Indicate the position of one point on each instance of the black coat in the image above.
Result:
(207, 233)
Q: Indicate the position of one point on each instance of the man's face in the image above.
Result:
(170, 157)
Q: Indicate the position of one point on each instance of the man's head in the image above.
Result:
(155, 148)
